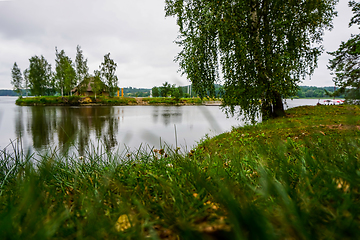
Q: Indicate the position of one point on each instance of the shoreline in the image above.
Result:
(106, 101)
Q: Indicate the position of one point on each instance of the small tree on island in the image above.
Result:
(155, 92)
(64, 72)
(39, 76)
(17, 79)
(82, 70)
(97, 85)
(175, 93)
(107, 70)
(165, 89)
(26, 81)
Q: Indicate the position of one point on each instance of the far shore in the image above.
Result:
(121, 101)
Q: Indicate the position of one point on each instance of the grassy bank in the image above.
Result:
(73, 101)
(101, 100)
(173, 101)
(297, 177)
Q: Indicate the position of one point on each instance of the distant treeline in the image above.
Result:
(314, 92)
(7, 93)
(136, 92)
(304, 92)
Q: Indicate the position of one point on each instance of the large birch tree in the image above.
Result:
(259, 49)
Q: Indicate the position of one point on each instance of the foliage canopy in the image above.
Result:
(155, 92)
(96, 84)
(261, 50)
(346, 62)
(65, 72)
(108, 69)
(16, 79)
(82, 70)
(40, 76)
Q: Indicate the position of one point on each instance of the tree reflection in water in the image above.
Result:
(66, 128)
(44, 128)
(19, 125)
(73, 126)
(41, 126)
(169, 115)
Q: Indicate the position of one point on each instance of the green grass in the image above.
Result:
(172, 101)
(192, 100)
(79, 100)
(38, 101)
(73, 100)
(297, 177)
(114, 100)
(160, 100)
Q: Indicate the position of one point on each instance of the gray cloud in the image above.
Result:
(332, 40)
(135, 32)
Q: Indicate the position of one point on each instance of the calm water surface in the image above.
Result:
(115, 127)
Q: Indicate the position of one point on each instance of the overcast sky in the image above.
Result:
(136, 33)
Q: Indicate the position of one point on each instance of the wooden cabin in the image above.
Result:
(85, 88)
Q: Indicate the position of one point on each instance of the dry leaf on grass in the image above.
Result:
(123, 223)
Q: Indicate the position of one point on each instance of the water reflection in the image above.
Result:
(155, 115)
(170, 115)
(70, 126)
(19, 126)
(66, 128)
(40, 127)
(44, 128)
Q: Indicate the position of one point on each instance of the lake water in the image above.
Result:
(115, 127)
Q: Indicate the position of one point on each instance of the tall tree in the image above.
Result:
(260, 49)
(346, 61)
(82, 70)
(108, 69)
(26, 81)
(155, 92)
(39, 75)
(64, 72)
(181, 93)
(165, 89)
(96, 84)
(17, 79)
(52, 85)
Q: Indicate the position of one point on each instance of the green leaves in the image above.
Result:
(64, 72)
(96, 84)
(16, 79)
(346, 62)
(40, 76)
(155, 92)
(108, 69)
(82, 70)
(259, 50)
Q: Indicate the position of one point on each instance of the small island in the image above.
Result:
(105, 100)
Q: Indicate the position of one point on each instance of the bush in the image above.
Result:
(192, 100)
(73, 99)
